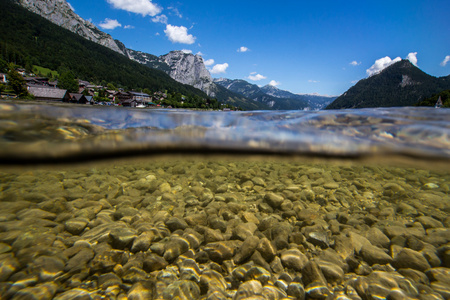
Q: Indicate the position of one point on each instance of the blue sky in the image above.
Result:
(321, 47)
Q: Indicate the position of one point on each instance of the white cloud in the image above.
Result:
(142, 7)
(412, 57)
(71, 7)
(209, 62)
(199, 53)
(381, 64)
(445, 61)
(128, 27)
(179, 34)
(176, 11)
(256, 77)
(186, 51)
(160, 19)
(243, 49)
(274, 83)
(355, 63)
(109, 24)
(313, 81)
(219, 68)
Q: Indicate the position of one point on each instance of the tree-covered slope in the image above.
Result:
(431, 101)
(28, 39)
(401, 84)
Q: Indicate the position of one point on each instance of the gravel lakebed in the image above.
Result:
(224, 229)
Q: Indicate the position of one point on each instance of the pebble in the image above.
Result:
(246, 250)
(174, 248)
(141, 290)
(319, 238)
(409, 258)
(374, 255)
(237, 230)
(293, 259)
(182, 289)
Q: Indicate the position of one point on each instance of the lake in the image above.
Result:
(122, 203)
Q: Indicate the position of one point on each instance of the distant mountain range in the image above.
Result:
(185, 68)
(401, 84)
(273, 97)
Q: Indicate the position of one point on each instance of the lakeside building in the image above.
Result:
(49, 93)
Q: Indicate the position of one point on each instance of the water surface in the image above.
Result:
(121, 203)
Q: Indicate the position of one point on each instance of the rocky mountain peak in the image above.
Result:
(189, 69)
(60, 13)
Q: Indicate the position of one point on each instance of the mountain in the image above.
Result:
(28, 39)
(401, 84)
(315, 102)
(273, 97)
(185, 68)
(61, 14)
(190, 69)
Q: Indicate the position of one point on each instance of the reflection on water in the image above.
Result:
(216, 227)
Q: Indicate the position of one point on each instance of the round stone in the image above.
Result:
(293, 259)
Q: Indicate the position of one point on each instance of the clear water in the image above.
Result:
(121, 203)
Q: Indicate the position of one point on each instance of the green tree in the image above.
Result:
(110, 86)
(3, 66)
(68, 82)
(16, 82)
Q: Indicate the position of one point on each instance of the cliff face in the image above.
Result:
(60, 13)
(189, 69)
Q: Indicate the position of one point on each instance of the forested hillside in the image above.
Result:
(401, 84)
(27, 39)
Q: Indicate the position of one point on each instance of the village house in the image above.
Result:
(133, 99)
(129, 103)
(49, 93)
(140, 97)
(78, 98)
(39, 81)
(121, 96)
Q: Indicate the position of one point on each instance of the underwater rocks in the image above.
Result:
(225, 230)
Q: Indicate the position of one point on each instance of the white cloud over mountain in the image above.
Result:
(243, 49)
(445, 61)
(219, 68)
(179, 34)
(209, 62)
(142, 7)
(384, 62)
(274, 83)
(256, 77)
(381, 64)
(412, 57)
(109, 24)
